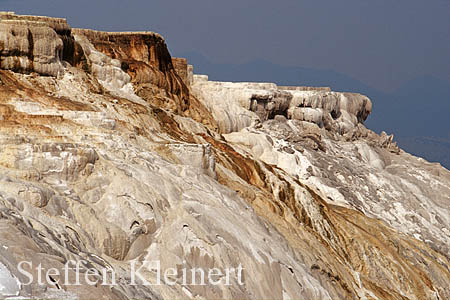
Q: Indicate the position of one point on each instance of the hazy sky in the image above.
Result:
(382, 43)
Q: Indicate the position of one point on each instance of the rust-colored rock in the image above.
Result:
(114, 161)
(181, 67)
(145, 58)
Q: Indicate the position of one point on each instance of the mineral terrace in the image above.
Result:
(113, 152)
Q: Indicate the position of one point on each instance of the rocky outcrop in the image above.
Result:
(29, 44)
(291, 185)
(141, 59)
(37, 44)
(136, 60)
(145, 58)
(181, 67)
(232, 104)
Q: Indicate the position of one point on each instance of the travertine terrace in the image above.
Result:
(113, 152)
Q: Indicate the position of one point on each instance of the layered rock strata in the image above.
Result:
(238, 105)
(115, 161)
(130, 60)
(32, 44)
(182, 68)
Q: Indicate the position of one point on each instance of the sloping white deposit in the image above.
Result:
(118, 195)
(291, 188)
(9, 284)
(362, 174)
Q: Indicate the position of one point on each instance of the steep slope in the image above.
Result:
(115, 160)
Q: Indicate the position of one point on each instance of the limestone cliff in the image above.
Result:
(112, 152)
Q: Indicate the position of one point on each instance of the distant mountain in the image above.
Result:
(418, 112)
(420, 107)
(263, 71)
(432, 148)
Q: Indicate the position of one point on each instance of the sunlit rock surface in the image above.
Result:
(232, 104)
(116, 158)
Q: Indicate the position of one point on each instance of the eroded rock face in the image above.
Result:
(30, 46)
(290, 184)
(37, 44)
(143, 55)
(230, 104)
(43, 45)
